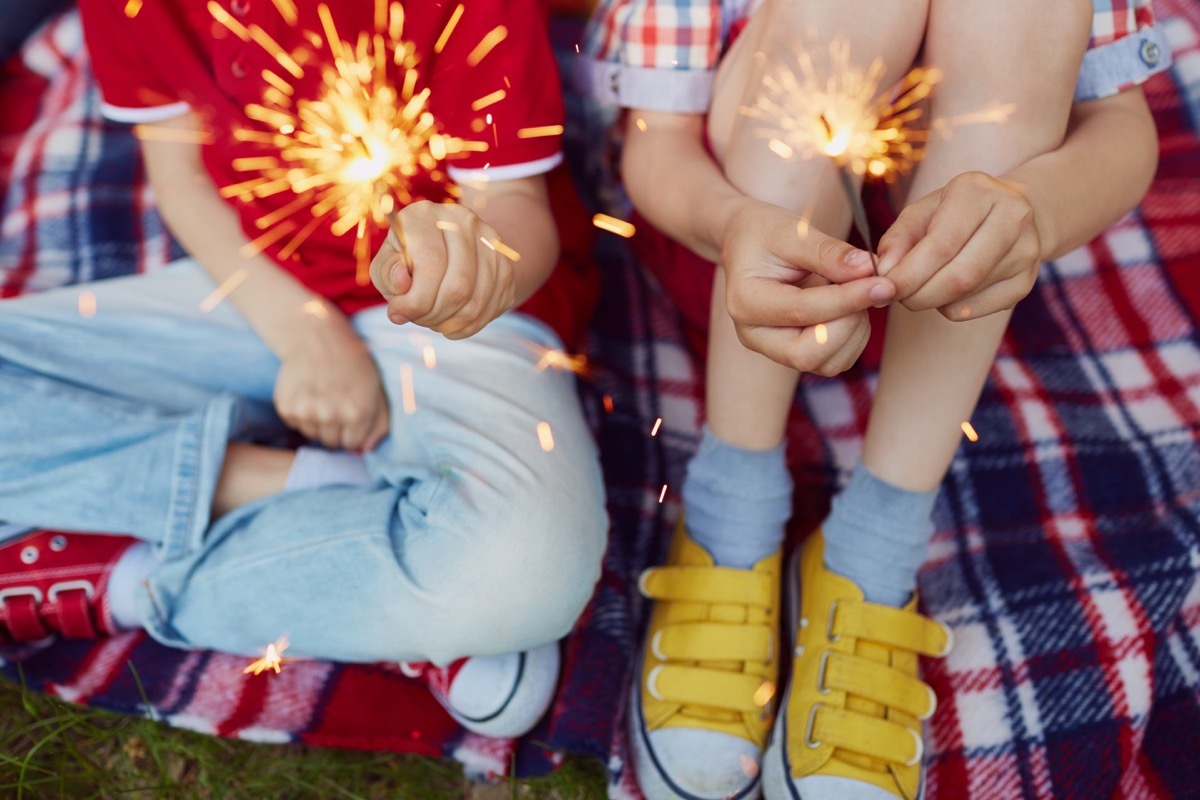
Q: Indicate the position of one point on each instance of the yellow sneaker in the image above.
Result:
(703, 705)
(851, 722)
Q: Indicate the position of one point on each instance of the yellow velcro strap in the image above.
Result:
(868, 736)
(707, 585)
(878, 682)
(696, 686)
(712, 641)
(894, 627)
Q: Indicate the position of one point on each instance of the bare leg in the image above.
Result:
(748, 395)
(250, 472)
(933, 369)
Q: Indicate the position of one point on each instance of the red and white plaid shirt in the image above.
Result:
(661, 54)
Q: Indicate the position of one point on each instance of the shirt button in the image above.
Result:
(238, 68)
(240, 7)
(1150, 53)
(614, 82)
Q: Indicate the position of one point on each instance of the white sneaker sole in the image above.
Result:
(528, 701)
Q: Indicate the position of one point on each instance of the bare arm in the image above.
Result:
(1101, 171)
(270, 299)
(328, 387)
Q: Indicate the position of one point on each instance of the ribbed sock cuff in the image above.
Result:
(877, 535)
(737, 501)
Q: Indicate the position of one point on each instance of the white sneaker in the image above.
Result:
(502, 696)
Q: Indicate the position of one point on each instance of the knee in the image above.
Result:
(523, 578)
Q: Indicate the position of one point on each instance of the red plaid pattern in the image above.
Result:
(680, 37)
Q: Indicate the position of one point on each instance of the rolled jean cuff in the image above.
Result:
(199, 457)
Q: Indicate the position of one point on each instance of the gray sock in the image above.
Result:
(134, 566)
(315, 467)
(877, 534)
(737, 501)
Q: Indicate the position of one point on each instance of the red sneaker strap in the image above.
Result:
(22, 619)
(75, 615)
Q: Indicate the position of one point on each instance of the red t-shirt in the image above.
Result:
(173, 56)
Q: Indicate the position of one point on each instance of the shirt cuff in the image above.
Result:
(505, 172)
(135, 116)
(1127, 62)
(683, 91)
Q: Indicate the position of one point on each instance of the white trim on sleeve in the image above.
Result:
(506, 172)
(139, 115)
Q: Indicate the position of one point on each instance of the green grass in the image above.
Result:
(51, 749)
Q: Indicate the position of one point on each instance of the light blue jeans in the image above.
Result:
(473, 540)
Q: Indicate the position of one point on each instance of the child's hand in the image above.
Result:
(329, 389)
(444, 268)
(970, 249)
(783, 278)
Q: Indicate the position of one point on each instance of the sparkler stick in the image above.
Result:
(859, 211)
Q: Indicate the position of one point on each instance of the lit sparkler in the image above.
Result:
(272, 658)
(353, 151)
(846, 118)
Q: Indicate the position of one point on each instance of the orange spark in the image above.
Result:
(287, 10)
(969, 430)
(641, 125)
(821, 333)
(449, 29)
(613, 225)
(488, 99)
(316, 307)
(132, 7)
(87, 304)
(503, 249)
(492, 38)
(545, 436)
(657, 425)
(272, 658)
(224, 290)
(540, 130)
(749, 766)
(560, 360)
(608, 404)
(430, 356)
(407, 393)
(763, 694)
(662, 494)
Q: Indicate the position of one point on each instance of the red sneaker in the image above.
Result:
(502, 696)
(55, 582)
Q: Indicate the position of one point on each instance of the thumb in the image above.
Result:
(391, 269)
(824, 255)
(908, 229)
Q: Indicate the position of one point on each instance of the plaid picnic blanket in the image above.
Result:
(1068, 543)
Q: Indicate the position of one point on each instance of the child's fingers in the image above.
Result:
(908, 229)
(391, 271)
(968, 271)
(950, 229)
(458, 284)
(826, 350)
(773, 304)
(814, 251)
(1000, 296)
(426, 248)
